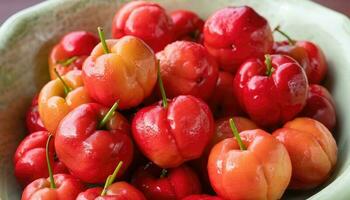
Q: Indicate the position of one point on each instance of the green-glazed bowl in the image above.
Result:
(26, 38)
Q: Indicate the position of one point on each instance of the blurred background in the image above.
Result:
(9, 7)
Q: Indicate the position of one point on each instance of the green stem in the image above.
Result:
(268, 63)
(111, 178)
(164, 173)
(66, 88)
(68, 61)
(109, 115)
(236, 135)
(290, 40)
(52, 180)
(161, 86)
(101, 34)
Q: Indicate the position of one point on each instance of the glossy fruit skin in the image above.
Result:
(282, 95)
(223, 101)
(177, 184)
(30, 159)
(320, 106)
(145, 20)
(222, 131)
(312, 149)
(117, 191)
(187, 69)
(68, 187)
(202, 197)
(53, 104)
(234, 34)
(170, 136)
(128, 73)
(91, 153)
(77, 44)
(187, 25)
(262, 171)
(309, 55)
(33, 120)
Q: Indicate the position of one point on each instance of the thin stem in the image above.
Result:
(52, 180)
(109, 115)
(101, 34)
(147, 165)
(268, 63)
(236, 135)
(66, 88)
(164, 173)
(290, 40)
(111, 178)
(161, 86)
(68, 61)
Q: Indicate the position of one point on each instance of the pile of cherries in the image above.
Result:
(205, 108)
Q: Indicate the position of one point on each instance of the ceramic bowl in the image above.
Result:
(26, 39)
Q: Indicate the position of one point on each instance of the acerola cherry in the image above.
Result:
(308, 54)
(33, 120)
(223, 101)
(58, 97)
(320, 106)
(312, 150)
(253, 165)
(123, 69)
(171, 184)
(30, 159)
(70, 53)
(171, 133)
(90, 143)
(272, 92)
(59, 186)
(202, 197)
(222, 131)
(234, 34)
(112, 191)
(187, 25)
(145, 20)
(187, 69)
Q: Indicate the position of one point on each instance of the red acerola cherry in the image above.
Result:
(116, 191)
(272, 92)
(223, 101)
(90, 142)
(173, 134)
(30, 159)
(172, 184)
(187, 69)
(202, 197)
(320, 106)
(235, 34)
(187, 25)
(79, 43)
(308, 54)
(33, 120)
(145, 20)
(71, 52)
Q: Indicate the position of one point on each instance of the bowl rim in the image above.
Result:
(337, 186)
